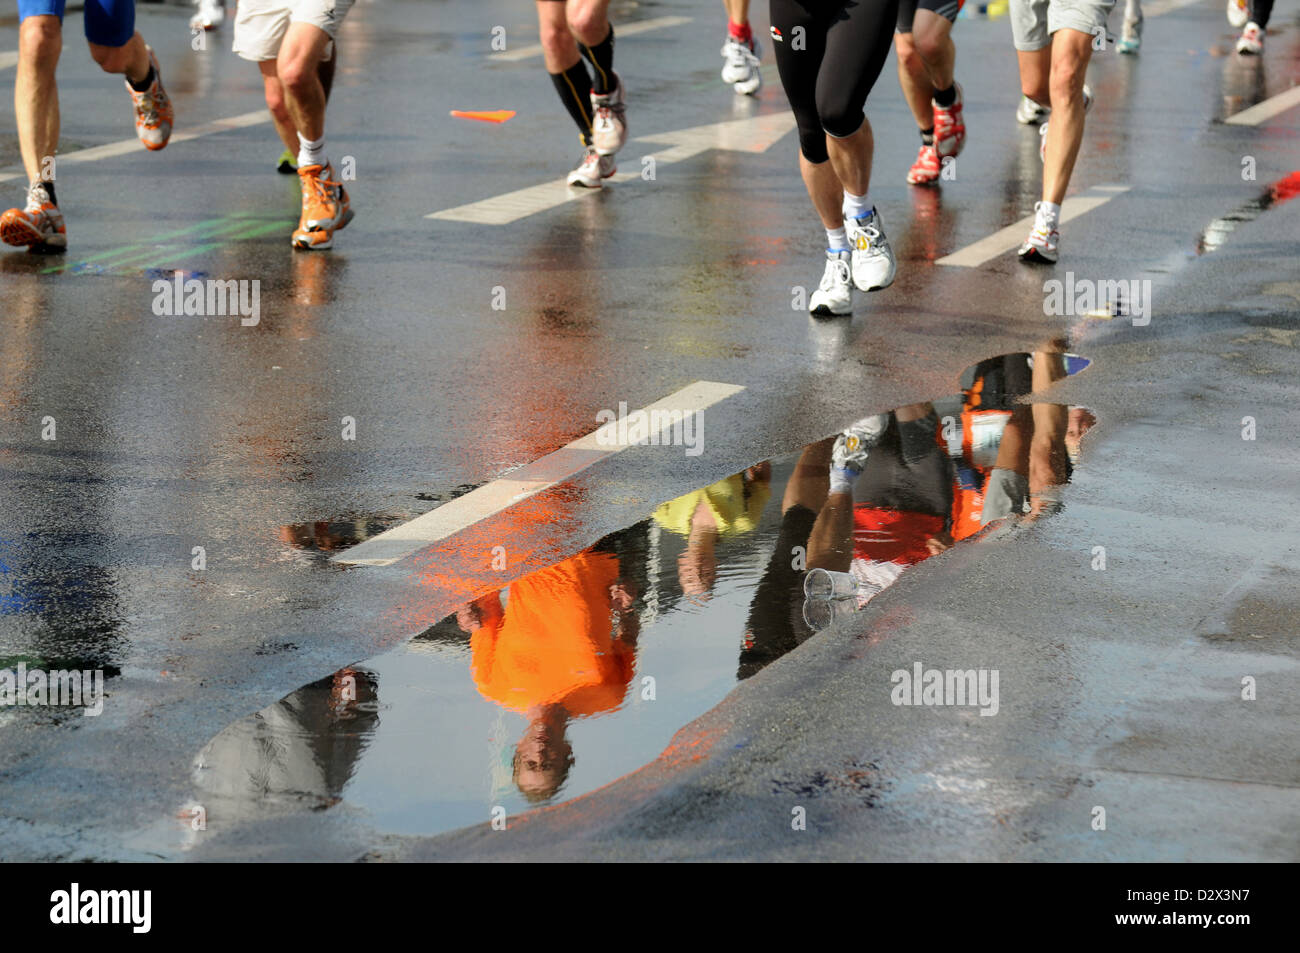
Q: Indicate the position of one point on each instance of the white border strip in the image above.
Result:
(492, 498)
(1004, 240)
(1267, 109)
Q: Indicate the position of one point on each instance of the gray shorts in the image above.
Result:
(1034, 21)
(1006, 492)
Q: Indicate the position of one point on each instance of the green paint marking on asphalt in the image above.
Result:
(231, 227)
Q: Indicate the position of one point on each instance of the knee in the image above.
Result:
(839, 119)
(296, 75)
(40, 40)
(111, 59)
(812, 145)
(929, 45)
(588, 22)
(908, 57)
(557, 40)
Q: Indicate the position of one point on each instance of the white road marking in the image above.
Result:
(492, 498)
(126, 146)
(8, 59)
(1006, 239)
(1267, 109)
(1159, 8)
(756, 134)
(630, 29)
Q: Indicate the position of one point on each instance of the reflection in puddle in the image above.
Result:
(1277, 193)
(583, 671)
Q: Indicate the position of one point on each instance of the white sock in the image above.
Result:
(1049, 213)
(837, 239)
(842, 480)
(856, 206)
(309, 152)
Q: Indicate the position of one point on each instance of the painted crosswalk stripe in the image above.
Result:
(492, 498)
(630, 29)
(1006, 239)
(1267, 109)
(127, 146)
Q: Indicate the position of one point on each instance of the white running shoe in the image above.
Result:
(851, 447)
(741, 67)
(593, 168)
(609, 128)
(1029, 113)
(834, 296)
(1131, 35)
(1251, 42)
(873, 260)
(210, 16)
(1238, 12)
(1044, 239)
(1042, 130)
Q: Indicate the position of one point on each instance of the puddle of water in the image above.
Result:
(581, 672)
(1275, 194)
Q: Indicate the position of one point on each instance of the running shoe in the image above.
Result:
(287, 164)
(37, 227)
(593, 168)
(1131, 35)
(1238, 12)
(211, 14)
(1251, 42)
(1042, 130)
(949, 127)
(325, 207)
(1044, 240)
(834, 296)
(851, 447)
(609, 127)
(873, 260)
(926, 168)
(153, 110)
(741, 67)
(1029, 113)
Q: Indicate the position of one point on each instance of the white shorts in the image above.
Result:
(1034, 21)
(260, 25)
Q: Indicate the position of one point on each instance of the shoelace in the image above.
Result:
(320, 186)
(836, 268)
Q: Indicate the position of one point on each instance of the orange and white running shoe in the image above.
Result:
(38, 227)
(949, 127)
(153, 110)
(926, 168)
(325, 207)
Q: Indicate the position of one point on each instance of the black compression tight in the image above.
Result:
(1260, 11)
(829, 55)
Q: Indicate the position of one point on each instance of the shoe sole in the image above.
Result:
(1038, 257)
(329, 241)
(21, 235)
(823, 311)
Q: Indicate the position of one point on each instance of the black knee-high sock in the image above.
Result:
(574, 87)
(601, 56)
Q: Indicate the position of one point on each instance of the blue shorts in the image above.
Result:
(108, 22)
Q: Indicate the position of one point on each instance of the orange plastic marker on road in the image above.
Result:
(494, 115)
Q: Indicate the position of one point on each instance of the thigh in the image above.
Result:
(857, 45)
(110, 22)
(799, 44)
(325, 15)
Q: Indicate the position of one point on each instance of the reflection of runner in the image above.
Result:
(891, 488)
(988, 400)
(117, 48)
(562, 647)
(308, 744)
(732, 506)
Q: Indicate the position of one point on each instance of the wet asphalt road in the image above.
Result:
(176, 432)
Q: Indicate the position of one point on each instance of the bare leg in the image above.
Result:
(131, 60)
(301, 53)
(915, 80)
(36, 95)
(1071, 50)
